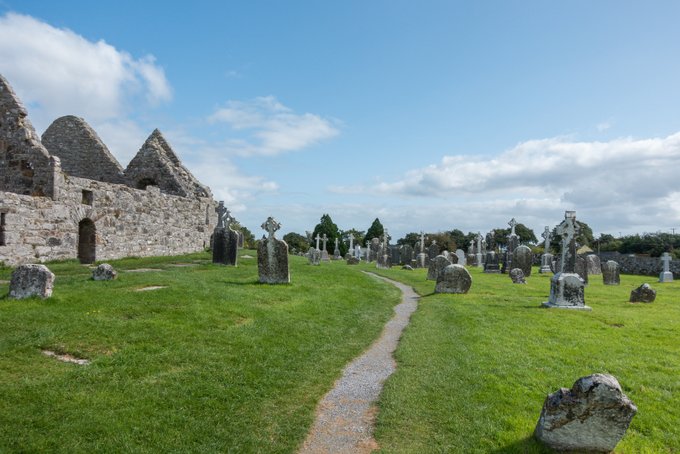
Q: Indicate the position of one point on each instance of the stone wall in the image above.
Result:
(642, 265)
(127, 222)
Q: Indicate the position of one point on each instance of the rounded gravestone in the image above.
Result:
(610, 273)
(453, 279)
(436, 266)
(31, 280)
(523, 258)
(593, 264)
(517, 276)
(104, 272)
(643, 294)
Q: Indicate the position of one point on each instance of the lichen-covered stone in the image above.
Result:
(523, 258)
(436, 266)
(272, 261)
(592, 416)
(610, 273)
(643, 294)
(104, 272)
(225, 246)
(453, 279)
(314, 256)
(31, 280)
(517, 276)
(351, 260)
(566, 292)
(594, 265)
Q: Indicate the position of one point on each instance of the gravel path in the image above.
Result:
(345, 416)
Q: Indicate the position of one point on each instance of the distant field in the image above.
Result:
(473, 370)
(216, 362)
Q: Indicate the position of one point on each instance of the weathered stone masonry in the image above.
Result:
(67, 197)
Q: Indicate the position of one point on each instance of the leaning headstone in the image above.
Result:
(461, 257)
(31, 280)
(592, 416)
(643, 294)
(104, 272)
(593, 264)
(610, 273)
(666, 275)
(272, 256)
(453, 279)
(436, 266)
(566, 287)
(523, 258)
(225, 240)
(517, 276)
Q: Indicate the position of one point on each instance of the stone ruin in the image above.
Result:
(65, 196)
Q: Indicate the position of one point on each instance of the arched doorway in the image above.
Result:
(144, 182)
(87, 241)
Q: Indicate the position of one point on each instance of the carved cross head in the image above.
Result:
(271, 225)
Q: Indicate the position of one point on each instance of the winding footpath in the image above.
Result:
(345, 416)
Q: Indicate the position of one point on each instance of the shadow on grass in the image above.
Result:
(525, 445)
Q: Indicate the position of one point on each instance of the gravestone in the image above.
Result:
(357, 252)
(225, 240)
(384, 260)
(513, 243)
(643, 294)
(582, 268)
(406, 254)
(567, 287)
(336, 251)
(436, 266)
(395, 255)
(546, 258)
(453, 279)
(610, 273)
(375, 249)
(523, 258)
(104, 272)
(31, 280)
(462, 260)
(422, 259)
(478, 255)
(593, 264)
(352, 260)
(350, 251)
(433, 250)
(517, 276)
(666, 275)
(324, 252)
(492, 263)
(314, 256)
(272, 256)
(472, 255)
(592, 416)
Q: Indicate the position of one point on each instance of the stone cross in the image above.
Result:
(546, 236)
(568, 230)
(666, 259)
(325, 240)
(271, 226)
(512, 225)
(222, 214)
(336, 243)
(472, 247)
(479, 241)
(317, 241)
(387, 237)
(422, 241)
(351, 241)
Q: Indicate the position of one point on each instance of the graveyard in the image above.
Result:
(186, 355)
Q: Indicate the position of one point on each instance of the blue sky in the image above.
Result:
(430, 115)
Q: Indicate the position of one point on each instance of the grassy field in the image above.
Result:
(214, 362)
(473, 370)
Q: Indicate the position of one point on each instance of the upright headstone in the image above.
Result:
(406, 254)
(436, 266)
(472, 254)
(225, 240)
(582, 267)
(375, 249)
(546, 258)
(593, 265)
(666, 275)
(567, 287)
(492, 262)
(462, 260)
(357, 252)
(314, 256)
(513, 243)
(480, 261)
(453, 279)
(422, 260)
(324, 252)
(610, 273)
(433, 250)
(31, 280)
(350, 236)
(272, 256)
(384, 260)
(523, 258)
(336, 251)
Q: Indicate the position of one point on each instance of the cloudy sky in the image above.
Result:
(430, 115)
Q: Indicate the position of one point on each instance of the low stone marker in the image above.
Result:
(643, 294)
(517, 276)
(453, 279)
(353, 260)
(610, 273)
(436, 266)
(31, 280)
(592, 416)
(272, 256)
(407, 268)
(314, 256)
(104, 272)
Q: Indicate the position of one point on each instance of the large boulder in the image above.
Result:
(436, 266)
(104, 272)
(31, 280)
(643, 294)
(592, 416)
(453, 279)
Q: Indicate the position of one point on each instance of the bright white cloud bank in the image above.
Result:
(273, 127)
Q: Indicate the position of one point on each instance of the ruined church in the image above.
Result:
(65, 196)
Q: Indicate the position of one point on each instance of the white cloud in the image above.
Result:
(273, 128)
(58, 72)
(601, 127)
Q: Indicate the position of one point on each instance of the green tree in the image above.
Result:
(327, 226)
(358, 235)
(296, 242)
(376, 230)
(584, 238)
(248, 237)
(411, 239)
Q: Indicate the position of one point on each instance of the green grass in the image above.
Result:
(473, 370)
(215, 362)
